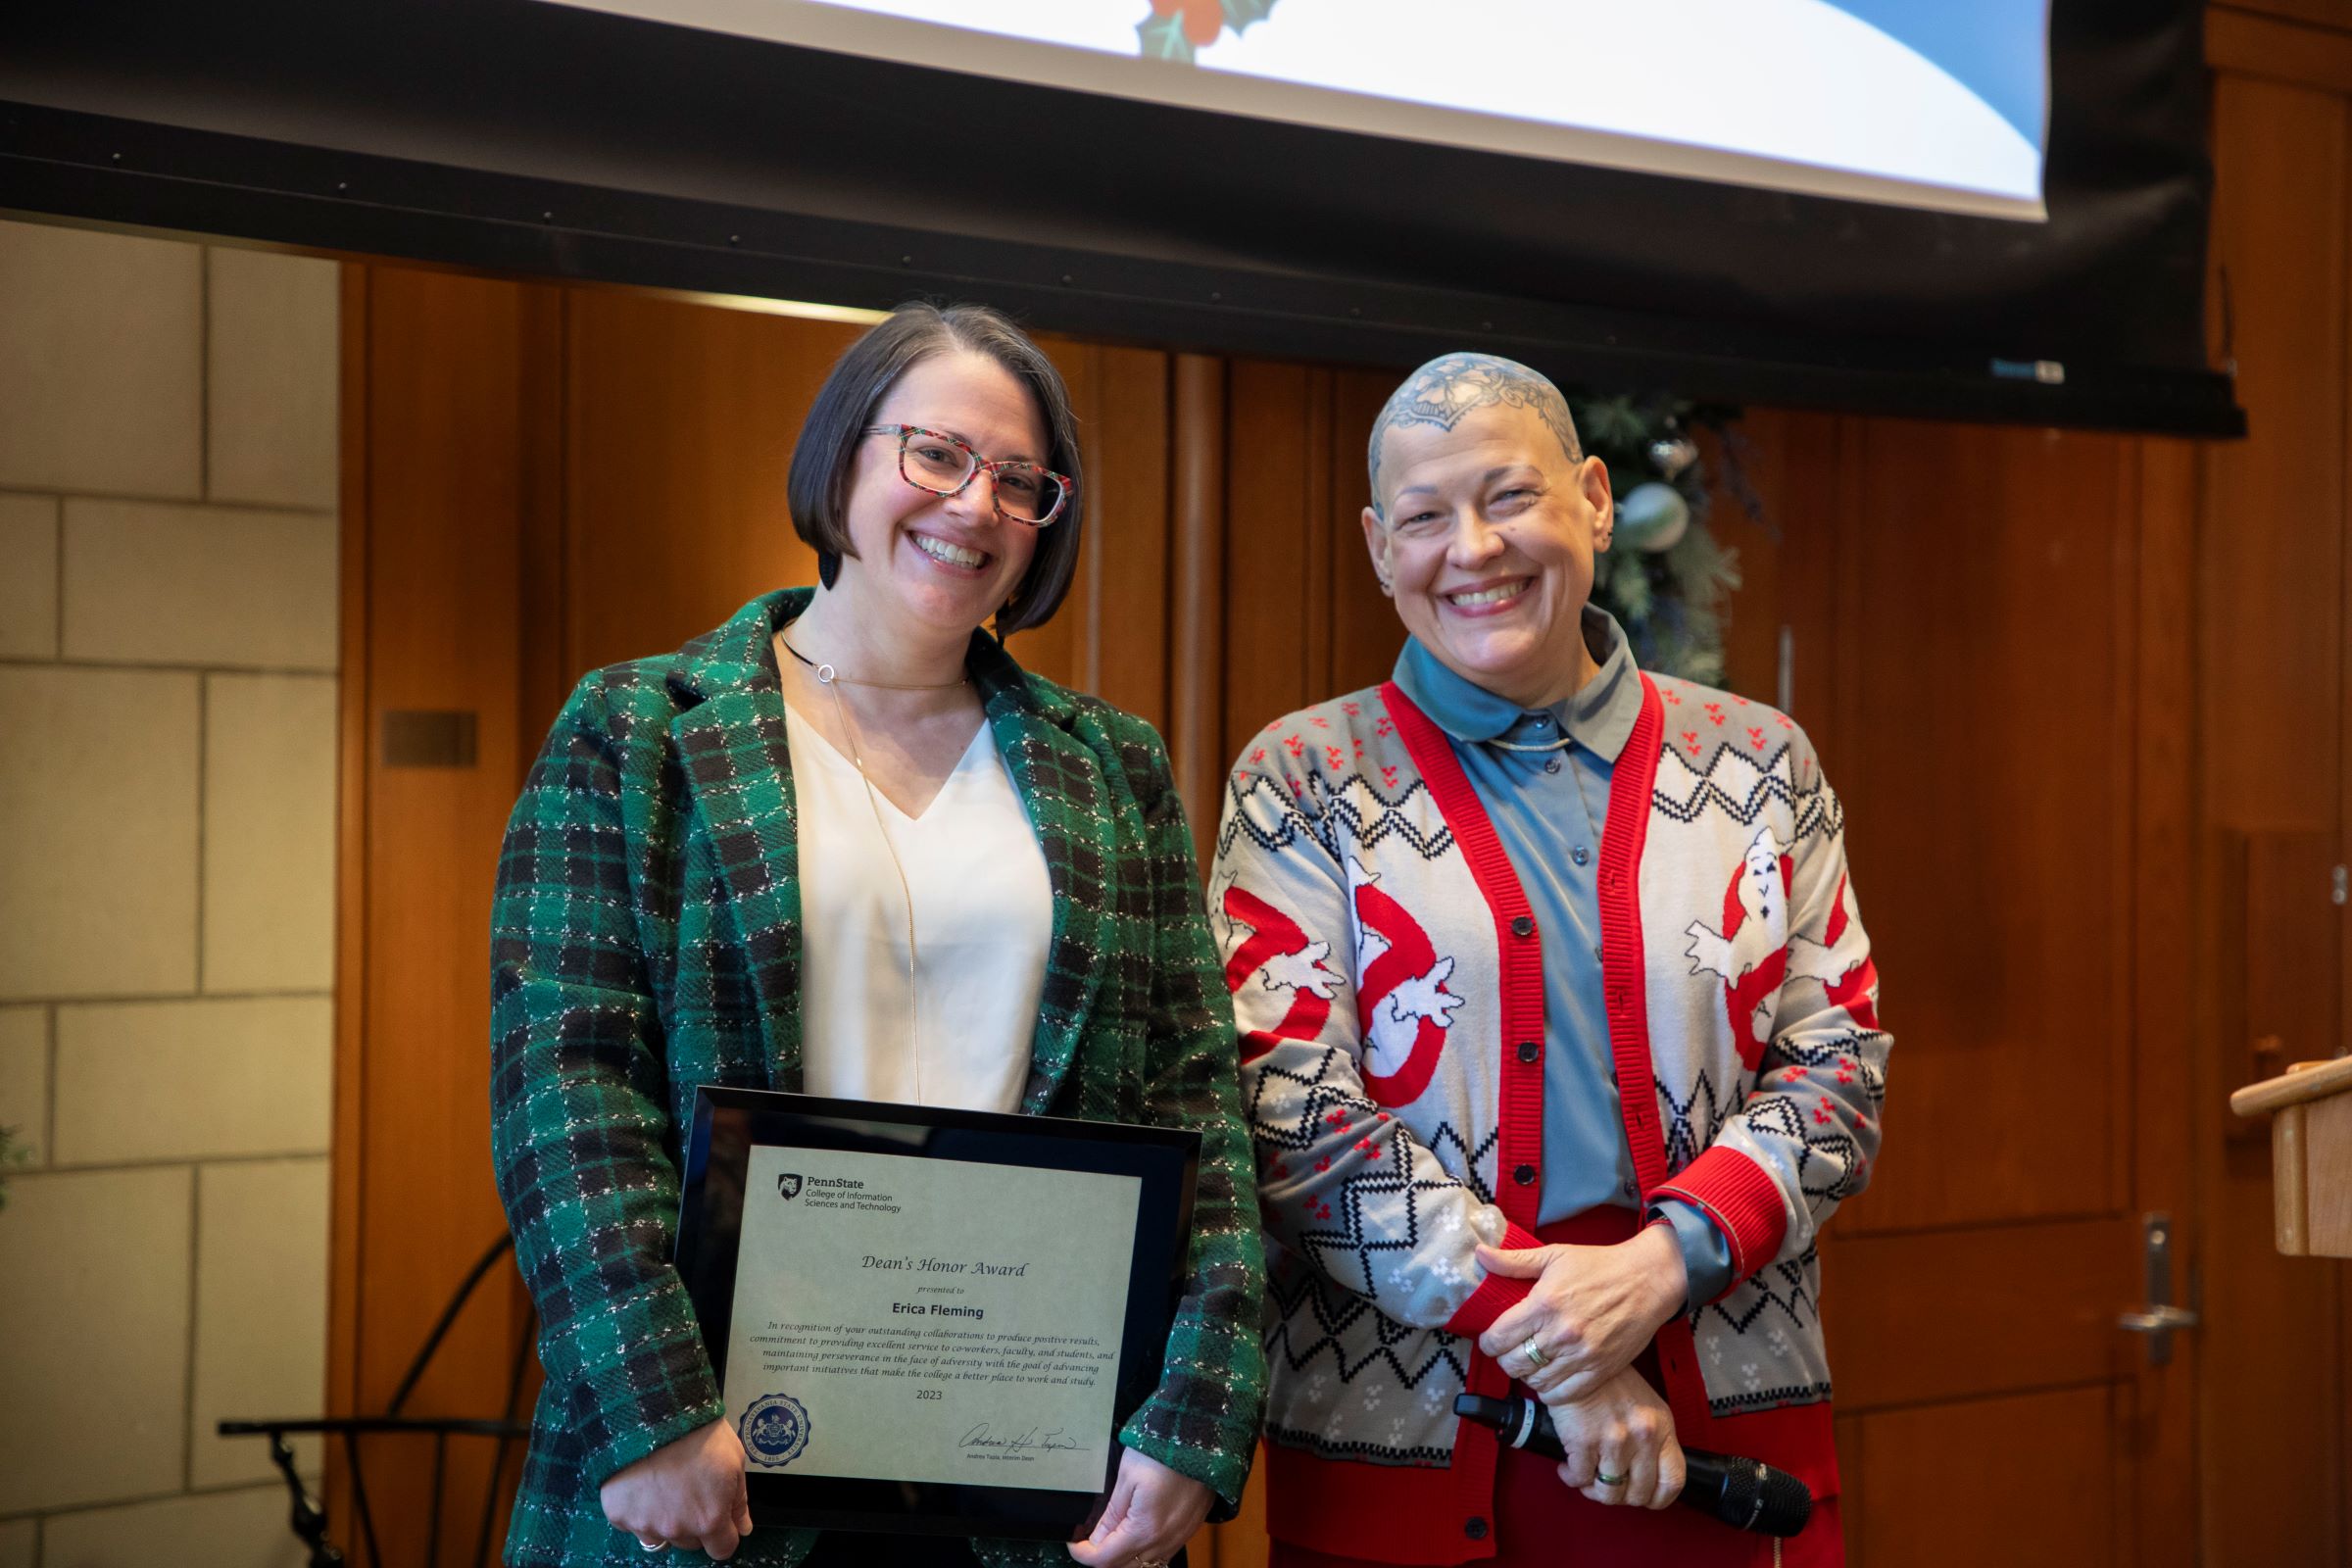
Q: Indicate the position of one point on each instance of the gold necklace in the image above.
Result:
(832, 681)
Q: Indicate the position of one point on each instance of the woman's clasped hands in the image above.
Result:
(1572, 1344)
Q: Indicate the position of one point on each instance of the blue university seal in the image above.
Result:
(775, 1431)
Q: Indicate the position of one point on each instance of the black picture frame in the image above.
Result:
(728, 1123)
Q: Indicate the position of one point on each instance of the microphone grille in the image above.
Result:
(1787, 1502)
(1757, 1496)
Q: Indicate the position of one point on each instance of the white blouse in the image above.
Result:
(983, 919)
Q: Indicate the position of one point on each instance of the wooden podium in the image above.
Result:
(2311, 1150)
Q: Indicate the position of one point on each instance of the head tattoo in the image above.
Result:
(1451, 386)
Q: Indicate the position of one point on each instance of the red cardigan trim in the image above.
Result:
(1468, 1490)
(1378, 1512)
(1624, 978)
(1625, 990)
(1519, 952)
(1742, 1201)
(1496, 1293)
(1520, 960)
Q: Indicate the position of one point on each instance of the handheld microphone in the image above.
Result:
(1744, 1494)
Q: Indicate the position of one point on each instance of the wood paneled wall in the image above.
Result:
(437, 450)
(2272, 636)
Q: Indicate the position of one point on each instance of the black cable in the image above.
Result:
(307, 1522)
(449, 1315)
(498, 1462)
(433, 1525)
(359, 1495)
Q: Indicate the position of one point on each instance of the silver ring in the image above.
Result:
(646, 1545)
(1532, 1352)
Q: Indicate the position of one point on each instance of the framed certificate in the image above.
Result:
(930, 1320)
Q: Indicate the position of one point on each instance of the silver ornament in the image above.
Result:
(1672, 455)
(1652, 516)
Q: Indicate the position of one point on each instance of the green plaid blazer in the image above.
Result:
(646, 939)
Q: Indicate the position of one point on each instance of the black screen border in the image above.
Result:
(520, 137)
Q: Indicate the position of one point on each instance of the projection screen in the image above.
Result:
(1993, 210)
(1938, 107)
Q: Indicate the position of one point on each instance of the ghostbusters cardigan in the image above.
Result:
(1386, 979)
(646, 938)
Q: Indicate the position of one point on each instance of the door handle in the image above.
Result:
(2160, 1319)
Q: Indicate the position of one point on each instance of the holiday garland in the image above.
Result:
(1666, 577)
(1177, 29)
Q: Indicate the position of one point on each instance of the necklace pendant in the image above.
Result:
(825, 676)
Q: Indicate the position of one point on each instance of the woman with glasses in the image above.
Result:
(844, 845)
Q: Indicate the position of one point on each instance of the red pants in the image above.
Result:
(1539, 1523)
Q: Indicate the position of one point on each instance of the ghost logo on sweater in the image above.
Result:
(1276, 956)
(1401, 993)
(1403, 1006)
(1751, 952)
(1852, 986)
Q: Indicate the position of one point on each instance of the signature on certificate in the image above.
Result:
(1048, 1440)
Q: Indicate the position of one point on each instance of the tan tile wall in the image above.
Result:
(29, 537)
(154, 583)
(102, 345)
(240, 1529)
(269, 833)
(168, 647)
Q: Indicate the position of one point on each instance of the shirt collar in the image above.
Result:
(1600, 716)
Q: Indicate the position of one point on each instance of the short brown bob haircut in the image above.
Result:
(818, 486)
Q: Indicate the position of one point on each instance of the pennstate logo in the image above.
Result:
(775, 1431)
(1403, 1004)
(788, 1185)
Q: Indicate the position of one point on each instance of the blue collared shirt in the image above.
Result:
(1549, 805)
